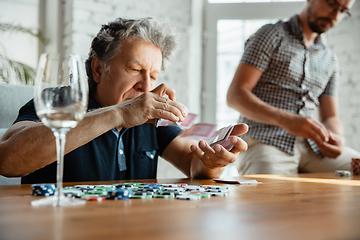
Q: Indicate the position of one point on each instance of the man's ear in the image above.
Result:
(96, 66)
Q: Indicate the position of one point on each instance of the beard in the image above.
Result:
(316, 24)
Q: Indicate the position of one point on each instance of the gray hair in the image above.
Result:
(107, 43)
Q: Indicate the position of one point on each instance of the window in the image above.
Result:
(231, 37)
(227, 27)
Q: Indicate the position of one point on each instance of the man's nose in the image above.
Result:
(144, 84)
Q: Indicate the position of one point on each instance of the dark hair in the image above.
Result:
(107, 43)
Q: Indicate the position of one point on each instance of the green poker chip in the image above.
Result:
(163, 196)
(202, 195)
(141, 196)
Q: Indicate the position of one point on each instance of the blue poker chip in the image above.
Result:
(153, 186)
(215, 187)
(119, 194)
(43, 189)
(173, 189)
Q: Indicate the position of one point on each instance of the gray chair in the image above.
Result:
(12, 98)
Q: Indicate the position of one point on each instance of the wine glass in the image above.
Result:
(61, 98)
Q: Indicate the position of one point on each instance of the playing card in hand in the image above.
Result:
(187, 123)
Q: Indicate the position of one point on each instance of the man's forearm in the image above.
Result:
(252, 107)
(334, 125)
(28, 146)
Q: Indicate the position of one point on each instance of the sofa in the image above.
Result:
(12, 97)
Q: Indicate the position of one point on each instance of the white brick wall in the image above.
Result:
(87, 16)
(344, 40)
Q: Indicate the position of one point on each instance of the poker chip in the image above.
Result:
(343, 173)
(202, 195)
(217, 190)
(182, 184)
(355, 166)
(93, 198)
(43, 189)
(163, 196)
(141, 196)
(173, 189)
(105, 186)
(119, 194)
(84, 186)
(216, 194)
(153, 186)
(214, 187)
(143, 193)
(72, 192)
(166, 193)
(171, 185)
(188, 197)
(194, 188)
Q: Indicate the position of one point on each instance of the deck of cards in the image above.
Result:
(222, 137)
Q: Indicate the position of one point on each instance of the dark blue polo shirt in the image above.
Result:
(131, 154)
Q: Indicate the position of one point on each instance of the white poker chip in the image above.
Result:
(343, 173)
(217, 190)
(188, 197)
(214, 187)
(194, 188)
(217, 194)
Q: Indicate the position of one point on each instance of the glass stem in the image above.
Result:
(60, 137)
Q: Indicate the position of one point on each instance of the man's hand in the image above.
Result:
(150, 106)
(218, 156)
(334, 146)
(329, 143)
(306, 127)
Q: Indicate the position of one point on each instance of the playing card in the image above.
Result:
(237, 180)
(187, 123)
(199, 131)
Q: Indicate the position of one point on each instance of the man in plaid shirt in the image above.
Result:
(286, 74)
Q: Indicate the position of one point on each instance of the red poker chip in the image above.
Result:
(93, 198)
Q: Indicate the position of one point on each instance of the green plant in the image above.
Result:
(14, 69)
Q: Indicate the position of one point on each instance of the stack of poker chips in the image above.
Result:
(355, 166)
(343, 173)
(43, 189)
(118, 194)
(136, 190)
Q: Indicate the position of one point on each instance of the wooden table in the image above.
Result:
(304, 206)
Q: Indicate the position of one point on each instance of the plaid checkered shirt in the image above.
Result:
(293, 77)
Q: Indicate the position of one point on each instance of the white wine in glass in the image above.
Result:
(61, 98)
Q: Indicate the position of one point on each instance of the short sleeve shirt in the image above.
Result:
(293, 78)
(129, 154)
